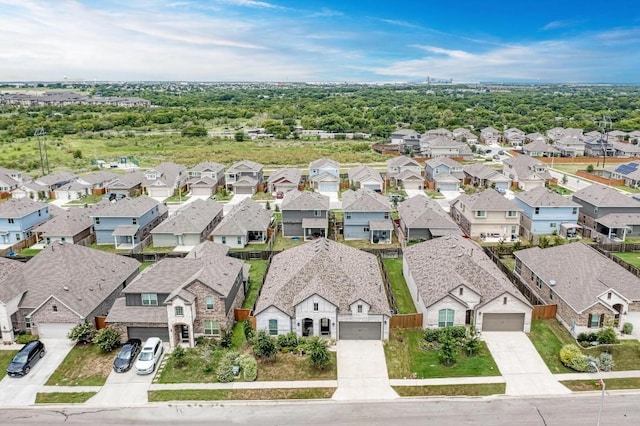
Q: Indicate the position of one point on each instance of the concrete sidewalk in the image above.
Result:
(248, 385)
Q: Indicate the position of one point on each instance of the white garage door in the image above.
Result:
(201, 191)
(157, 192)
(360, 330)
(54, 330)
(328, 187)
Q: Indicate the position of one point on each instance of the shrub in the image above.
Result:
(607, 336)
(471, 342)
(318, 352)
(264, 346)
(107, 339)
(432, 334)
(605, 363)
(248, 330)
(458, 332)
(573, 358)
(289, 340)
(627, 328)
(249, 367)
(448, 349)
(178, 356)
(226, 338)
(82, 333)
(225, 366)
(25, 338)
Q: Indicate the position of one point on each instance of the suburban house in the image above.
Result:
(62, 286)
(514, 137)
(444, 173)
(398, 136)
(246, 223)
(588, 288)
(129, 184)
(205, 178)
(558, 133)
(72, 191)
(97, 182)
(305, 215)
(630, 172)
(16, 175)
(409, 179)
(478, 174)
(18, 217)
(490, 136)
(367, 216)
(442, 146)
(190, 226)
(540, 148)
(439, 132)
(422, 218)
(596, 202)
(366, 177)
(526, 172)
(486, 214)
(164, 180)
(598, 146)
(244, 177)
(128, 222)
(535, 136)
(53, 181)
(32, 190)
(284, 180)
(570, 146)
(400, 164)
(181, 299)
(546, 212)
(7, 185)
(454, 283)
(618, 227)
(324, 288)
(623, 149)
(617, 135)
(464, 135)
(73, 226)
(9, 293)
(324, 175)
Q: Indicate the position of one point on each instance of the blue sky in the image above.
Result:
(348, 40)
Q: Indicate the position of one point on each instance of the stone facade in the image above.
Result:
(46, 314)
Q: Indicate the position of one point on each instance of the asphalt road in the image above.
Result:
(619, 409)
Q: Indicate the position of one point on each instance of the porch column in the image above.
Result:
(6, 325)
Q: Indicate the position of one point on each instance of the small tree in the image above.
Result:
(268, 205)
(590, 168)
(264, 346)
(226, 338)
(448, 349)
(178, 356)
(471, 342)
(107, 339)
(82, 333)
(318, 352)
(248, 330)
(239, 136)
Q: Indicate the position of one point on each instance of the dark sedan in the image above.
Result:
(26, 358)
(127, 355)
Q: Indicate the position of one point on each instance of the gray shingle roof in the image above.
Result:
(435, 162)
(402, 160)
(128, 207)
(19, 207)
(99, 177)
(364, 200)
(246, 181)
(440, 265)
(422, 212)
(523, 166)
(190, 219)
(287, 173)
(619, 220)
(580, 273)
(151, 315)
(339, 273)
(362, 172)
(543, 197)
(170, 173)
(480, 171)
(11, 281)
(324, 177)
(487, 200)
(324, 162)
(540, 146)
(127, 180)
(70, 222)
(208, 166)
(305, 200)
(244, 165)
(244, 217)
(54, 178)
(604, 196)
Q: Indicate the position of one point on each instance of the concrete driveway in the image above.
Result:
(521, 366)
(125, 388)
(414, 192)
(21, 391)
(362, 371)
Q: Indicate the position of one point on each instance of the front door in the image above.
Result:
(307, 327)
(185, 333)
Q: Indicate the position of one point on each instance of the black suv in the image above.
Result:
(26, 358)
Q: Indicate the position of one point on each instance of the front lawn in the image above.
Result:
(63, 397)
(404, 302)
(256, 274)
(479, 389)
(87, 199)
(289, 366)
(5, 360)
(405, 357)
(610, 384)
(560, 190)
(239, 394)
(626, 354)
(85, 365)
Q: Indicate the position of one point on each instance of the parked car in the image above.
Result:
(109, 196)
(501, 152)
(496, 157)
(26, 358)
(127, 355)
(149, 356)
(279, 195)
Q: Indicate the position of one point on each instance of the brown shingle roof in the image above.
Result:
(19, 207)
(192, 218)
(541, 196)
(364, 200)
(604, 196)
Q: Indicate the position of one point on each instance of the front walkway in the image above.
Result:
(362, 371)
(521, 366)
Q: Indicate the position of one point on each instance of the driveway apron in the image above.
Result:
(362, 371)
(521, 366)
(21, 391)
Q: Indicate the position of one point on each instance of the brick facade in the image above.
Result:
(46, 314)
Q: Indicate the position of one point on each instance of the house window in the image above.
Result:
(18, 237)
(365, 229)
(315, 306)
(134, 221)
(97, 221)
(211, 328)
(550, 294)
(504, 300)
(239, 240)
(11, 220)
(347, 215)
(386, 215)
(27, 322)
(273, 327)
(39, 212)
(609, 296)
(149, 299)
(62, 239)
(518, 268)
(461, 291)
(224, 240)
(574, 211)
(481, 213)
(55, 308)
(179, 311)
(317, 213)
(552, 225)
(208, 301)
(445, 318)
(537, 210)
(539, 282)
(512, 213)
(594, 320)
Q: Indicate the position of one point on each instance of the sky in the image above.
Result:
(560, 41)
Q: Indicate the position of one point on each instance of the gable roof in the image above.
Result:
(479, 170)
(305, 200)
(129, 207)
(19, 207)
(364, 200)
(580, 272)
(70, 222)
(440, 265)
(363, 173)
(324, 162)
(288, 174)
(54, 178)
(435, 162)
(423, 212)
(128, 180)
(243, 166)
(169, 173)
(523, 167)
(244, 217)
(604, 196)
(192, 218)
(540, 145)
(11, 281)
(98, 177)
(324, 177)
(207, 166)
(339, 273)
(402, 161)
(541, 196)
(487, 200)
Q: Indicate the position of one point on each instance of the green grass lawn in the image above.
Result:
(480, 389)
(63, 397)
(5, 360)
(145, 265)
(283, 243)
(510, 262)
(561, 190)
(153, 249)
(631, 257)
(85, 365)
(626, 188)
(177, 198)
(404, 302)
(610, 384)
(239, 394)
(88, 199)
(405, 357)
(262, 196)
(30, 252)
(252, 247)
(366, 244)
(109, 248)
(256, 273)
(626, 355)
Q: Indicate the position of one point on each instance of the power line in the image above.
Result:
(42, 146)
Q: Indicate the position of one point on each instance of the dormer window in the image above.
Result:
(461, 291)
(359, 309)
(609, 296)
(55, 308)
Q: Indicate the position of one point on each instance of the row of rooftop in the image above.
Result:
(69, 98)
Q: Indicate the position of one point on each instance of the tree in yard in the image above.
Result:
(268, 205)
(107, 339)
(82, 333)
(264, 346)
(448, 349)
(318, 352)
(472, 343)
(590, 168)
(239, 136)
(565, 179)
(178, 357)
(77, 154)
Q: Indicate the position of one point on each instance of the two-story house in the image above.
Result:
(464, 135)
(489, 135)
(514, 137)
(444, 174)
(305, 214)
(399, 164)
(73, 226)
(190, 226)
(570, 146)
(540, 148)
(526, 172)
(128, 222)
(422, 218)
(480, 175)
(324, 175)
(284, 180)
(367, 216)
(244, 177)
(246, 223)
(181, 299)
(363, 176)
(205, 178)
(128, 184)
(546, 212)
(441, 146)
(164, 180)
(18, 217)
(486, 214)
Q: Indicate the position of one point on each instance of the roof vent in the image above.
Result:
(90, 288)
(65, 288)
(552, 283)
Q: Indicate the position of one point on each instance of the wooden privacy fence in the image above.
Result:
(101, 322)
(241, 314)
(406, 321)
(544, 312)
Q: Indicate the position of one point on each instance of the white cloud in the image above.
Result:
(252, 3)
(555, 24)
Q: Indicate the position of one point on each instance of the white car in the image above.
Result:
(149, 356)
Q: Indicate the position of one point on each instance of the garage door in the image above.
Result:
(243, 190)
(157, 192)
(360, 330)
(54, 330)
(502, 322)
(328, 187)
(143, 333)
(201, 191)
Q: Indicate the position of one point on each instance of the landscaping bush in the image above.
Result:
(25, 338)
(264, 346)
(605, 363)
(607, 336)
(248, 330)
(225, 366)
(448, 349)
(226, 338)
(82, 333)
(458, 332)
(587, 337)
(318, 352)
(107, 339)
(178, 357)
(432, 334)
(289, 340)
(471, 342)
(573, 358)
(627, 328)
(249, 367)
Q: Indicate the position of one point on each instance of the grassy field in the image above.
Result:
(5, 360)
(404, 357)
(63, 397)
(85, 365)
(481, 389)
(404, 302)
(239, 394)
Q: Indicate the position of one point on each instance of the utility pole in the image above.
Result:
(605, 126)
(42, 146)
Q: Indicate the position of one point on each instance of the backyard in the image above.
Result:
(256, 273)
(631, 257)
(85, 365)
(404, 302)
